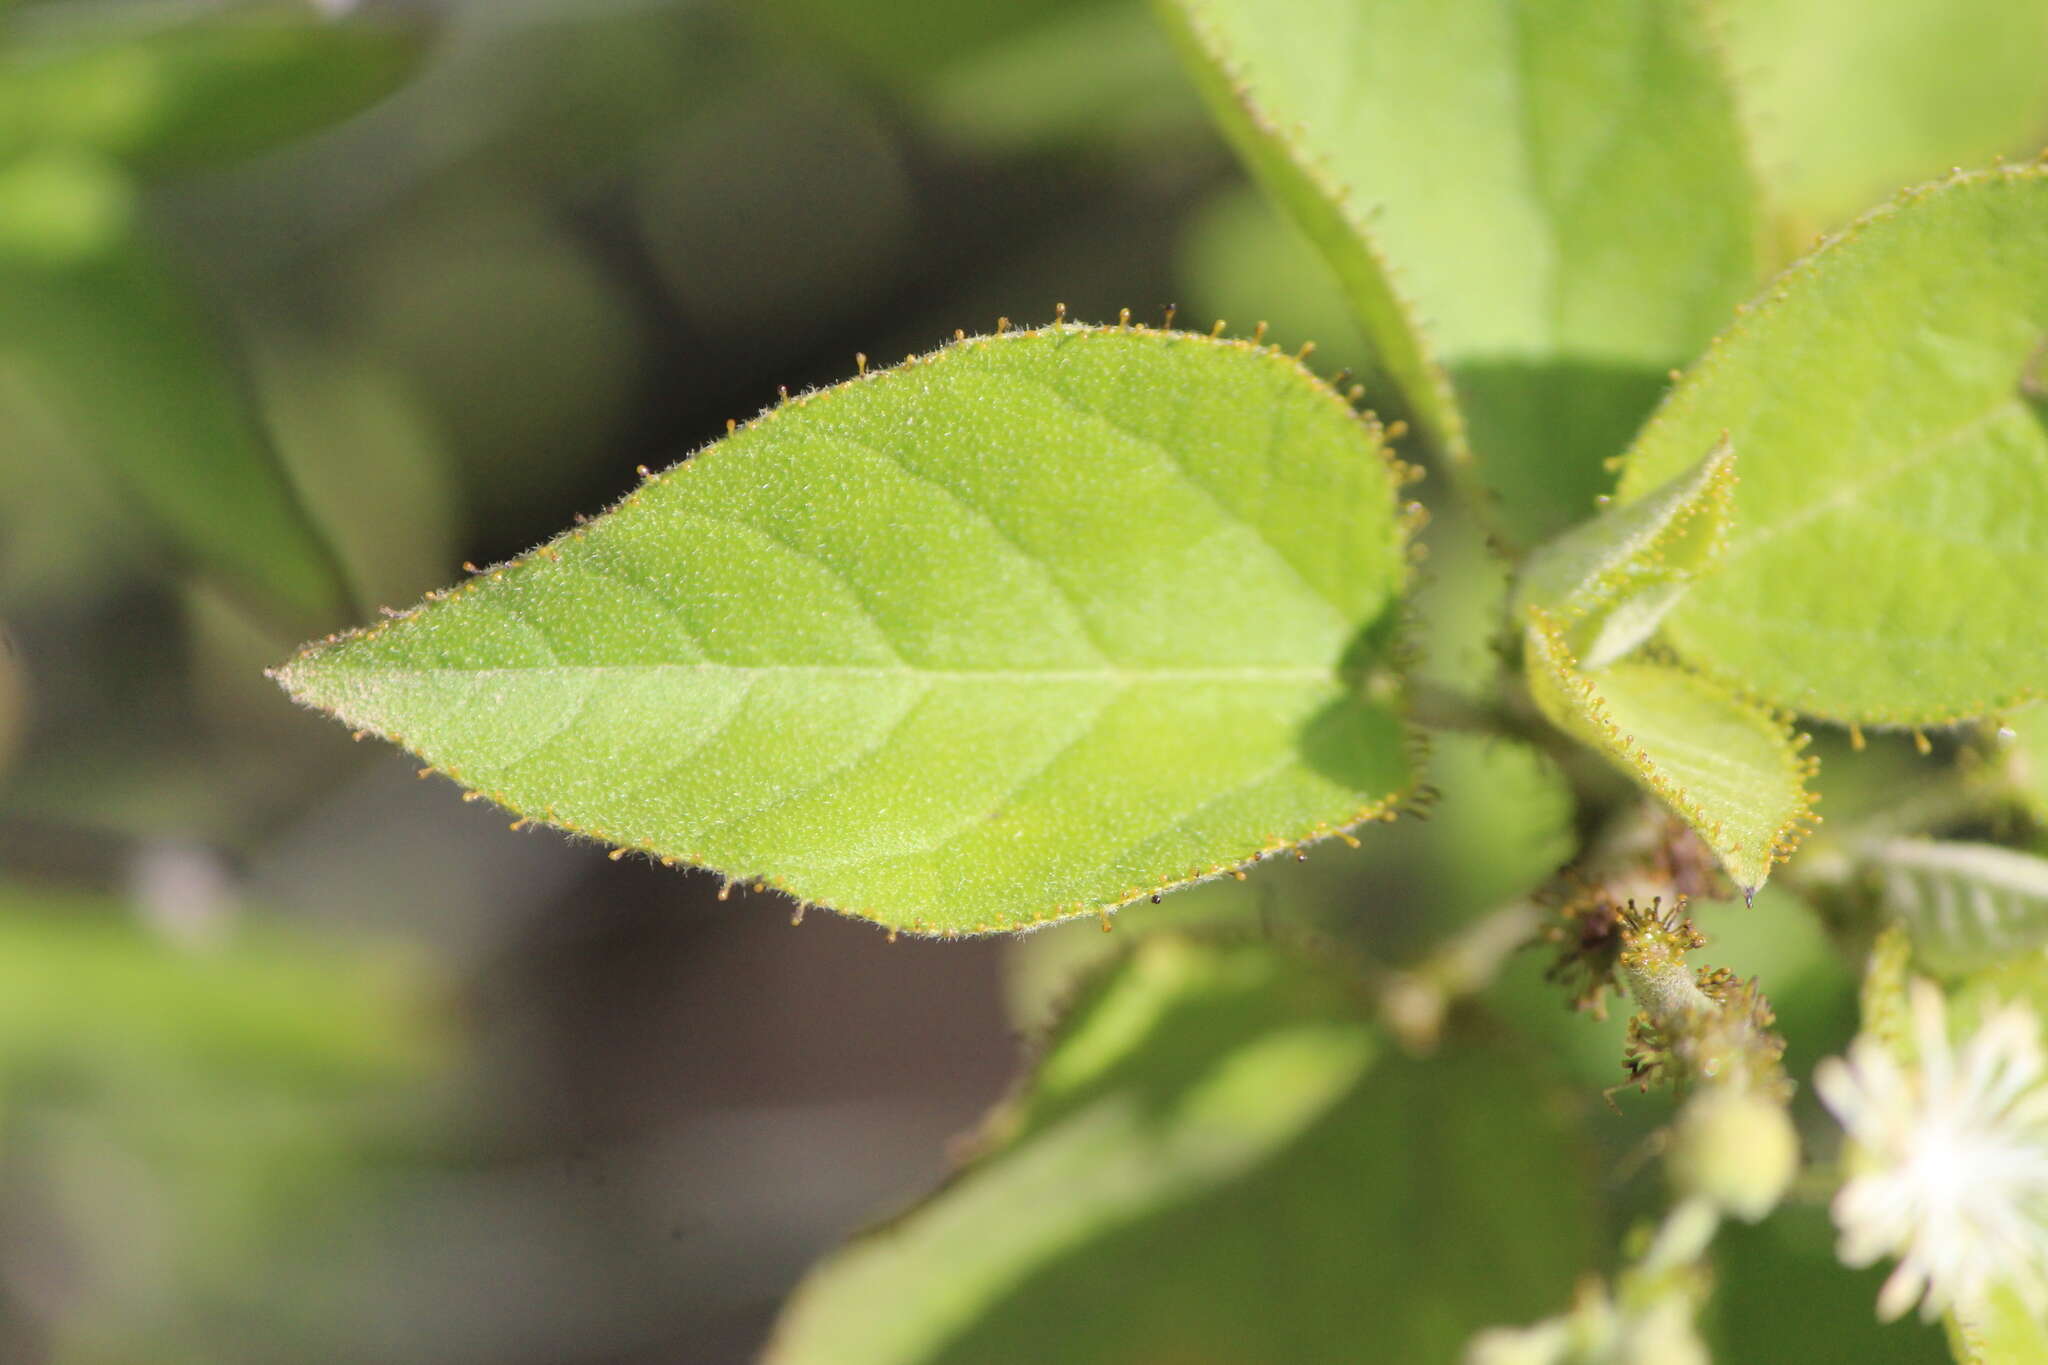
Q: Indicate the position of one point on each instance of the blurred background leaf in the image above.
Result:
(1215, 1132)
(172, 84)
(1846, 104)
(192, 1113)
(114, 351)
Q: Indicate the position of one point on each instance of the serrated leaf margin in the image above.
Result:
(1549, 651)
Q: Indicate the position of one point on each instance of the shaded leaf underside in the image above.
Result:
(1026, 628)
(1965, 905)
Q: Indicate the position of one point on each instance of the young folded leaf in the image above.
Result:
(1730, 768)
(1610, 581)
(1026, 628)
(1536, 208)
(1888, 554)
(1965, 905)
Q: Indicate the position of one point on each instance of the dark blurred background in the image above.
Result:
(303, 1058)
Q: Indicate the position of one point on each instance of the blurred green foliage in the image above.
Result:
(1218, 1159)
(166, 87)
(188, 1114)
(1847, 103)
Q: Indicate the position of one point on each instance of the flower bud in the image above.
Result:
(1734, 1149)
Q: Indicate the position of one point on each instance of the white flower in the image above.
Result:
(1953, 1177)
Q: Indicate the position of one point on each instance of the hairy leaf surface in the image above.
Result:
(1537, 208)
(1030, 627)
(1215, 1127)
(1730, 768)
(1888, 554)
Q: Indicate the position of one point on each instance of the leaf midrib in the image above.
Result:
(1107, 675)
(1849, 493)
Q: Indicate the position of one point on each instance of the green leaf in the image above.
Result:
(87, 992)
(1537, 209)
(1091, 75)
(1501, 827)
(1030, 627)
(205, 1127)
(117, 353)
(1610, 581)
(1240, 257)
(1888, 552)
(1728, 767)
(1965, 905)
(367, 461)
(904, 42)
(2002, 1332)
(164, 94)
(1790, 1258)
(1847, 101)
(1218, 1133)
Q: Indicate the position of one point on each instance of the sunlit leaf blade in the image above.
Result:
(1609, 581)
(1026, 628)
(113, 348)
(189, 86)
(1536, 208)
(1219, 1160)
(1965, 905)
(1888, 555)
(1499, 828)
(1847, 101)
(1730, 768)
